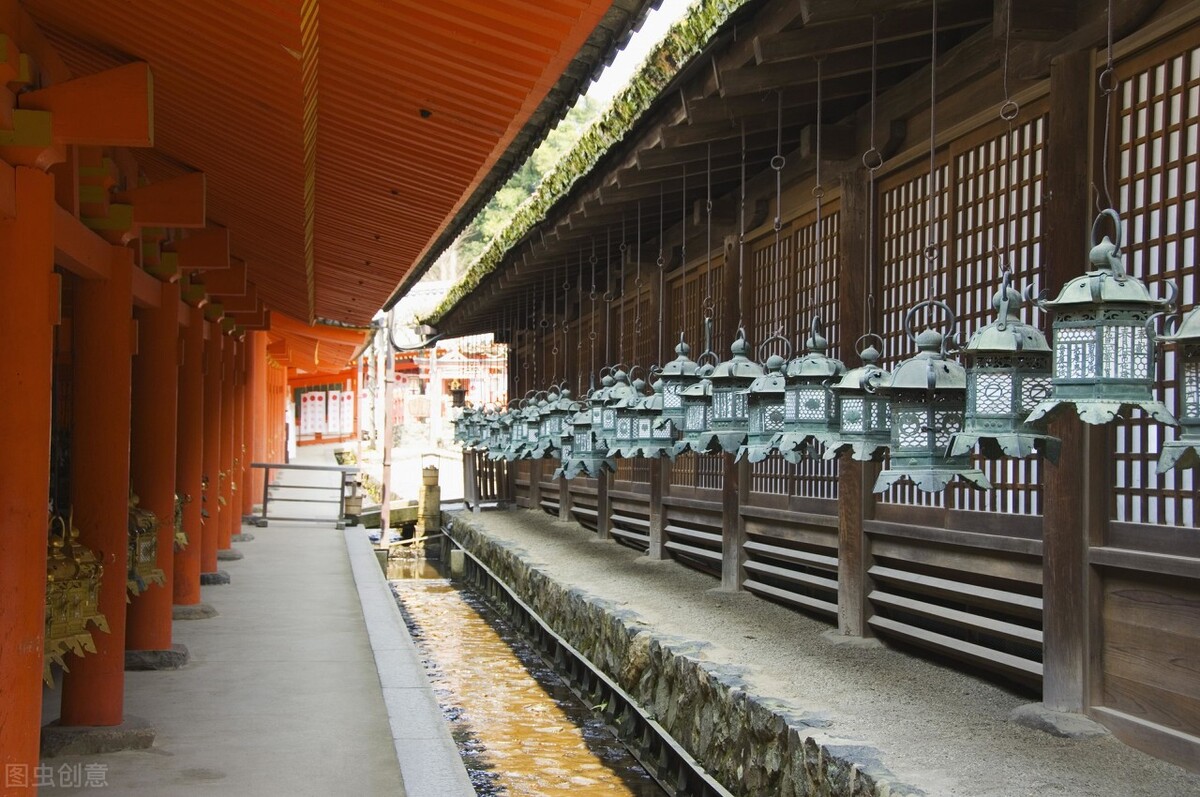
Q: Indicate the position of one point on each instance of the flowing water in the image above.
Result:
(520, 729)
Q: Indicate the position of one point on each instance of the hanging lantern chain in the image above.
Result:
(931, 253)
(1108, 85)
(742, 233)
(637, 281)
(579, 335)
(872, 160)
(707, 308)
(818, 193)
(777, 164)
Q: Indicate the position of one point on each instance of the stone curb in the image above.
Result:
(132, 734)
(749, 743)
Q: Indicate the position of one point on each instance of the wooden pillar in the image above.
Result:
(1065, 517)
(189, 458)
(93, 692)
(855, 501)
(660, 478)
(564, 499)
(261, 419)
(241, 462)
(224, 510)
(535, 484)
(603, 505)
(212, 446)
(153, 457)
(735, 490)
(31, 292)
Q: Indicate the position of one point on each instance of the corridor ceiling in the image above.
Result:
(343, 141)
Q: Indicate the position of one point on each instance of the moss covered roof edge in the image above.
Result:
(686, 39)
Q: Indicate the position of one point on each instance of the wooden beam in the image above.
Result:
(801, 99)
(246, 302)
(1043, 20)
(227, 282)
(814, 40)
(78, 249)
(147, 291)
(204, 250)
(178, 202)
(111, 108)
(774, 76)
(816, 11)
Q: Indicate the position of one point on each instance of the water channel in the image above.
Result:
(519, 728)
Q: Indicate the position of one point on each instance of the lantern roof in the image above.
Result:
(738, 366)
(815, 363)
(773, 380)
(929, 369)
(1107, 283)
(1008, 333)
(682, 365)
(1189, 329)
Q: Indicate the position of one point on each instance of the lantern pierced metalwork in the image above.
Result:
(1184, 451)
(625, 443)
(731, 380)
(696, 433)
(1008, 373)
(928, 399)
(586, 458)
(677, 376)
(655, 434)
(864, 415)
(1103, 350)
(811, 411)
(765, 407)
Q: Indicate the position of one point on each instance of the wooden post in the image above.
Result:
(212, 445)
(256, 393)
(603, 506)
(240, 430)
(564, 499)
(734, 493)
(189, 458)
(853, 497)
(152, 459)
(535, 484)
(1064, 530)
(660, 478)
(31, 291)
(93, 692)
(224, 510)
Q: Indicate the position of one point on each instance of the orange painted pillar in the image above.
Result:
(189, 458)
(93, 692)
(238, 488)
(225, 507)
(256, 412)
(212, 445)
(153, 458)
(30, 289)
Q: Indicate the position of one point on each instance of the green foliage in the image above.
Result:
(497, 214)
(684, 41)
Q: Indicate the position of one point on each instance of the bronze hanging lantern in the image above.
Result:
(811, 411)
(696, 434)
(864, 415)
(731, 380)
(1008, 373)
(620, 393)
(765, 407)
(625, 443)
(1184, 451)
(928, 400)
(677, 376)
(1103, 350)
(655, 433)
(587, 458)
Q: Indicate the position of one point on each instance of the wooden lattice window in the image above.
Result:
(908, 277)
(1157, 153)
(997, 180)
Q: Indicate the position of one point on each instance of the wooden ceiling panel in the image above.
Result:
(384, 117)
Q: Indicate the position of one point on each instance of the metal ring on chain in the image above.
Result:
(660, 262)
(930, 252)
(592, 335)
(543, 324)
(778, 162)
(638, 282)
(1107, 81)
(608, 296)
(818, 192)
(593, 295)
(872, 159)
(1009, 110)
(622, 247)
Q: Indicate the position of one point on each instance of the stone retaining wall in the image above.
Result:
(752, 745)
